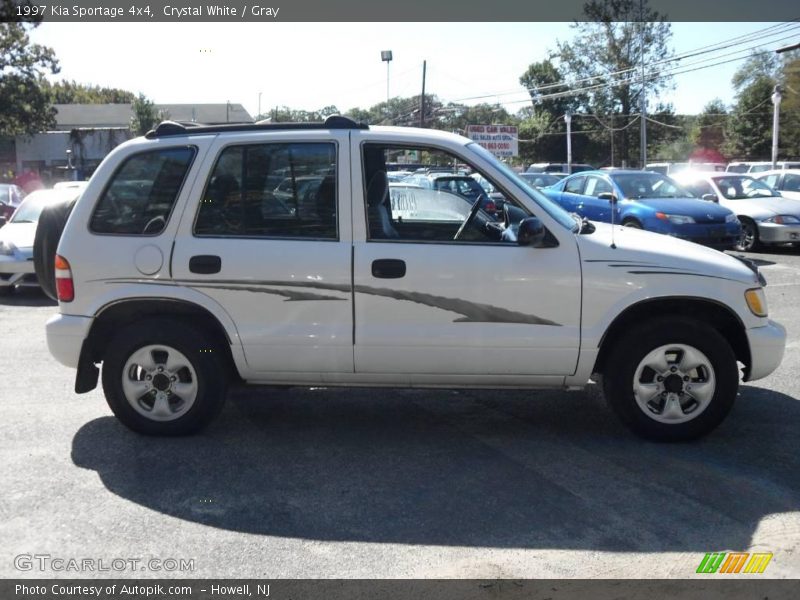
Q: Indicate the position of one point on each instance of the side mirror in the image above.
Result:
(2, 220)
(607, 196)
(531, 232)
(710, 197)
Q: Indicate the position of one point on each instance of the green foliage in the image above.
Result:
(72, 92)
(609, 47)
(24, 105)
(145, 116)
(749, 130)
(708, 130)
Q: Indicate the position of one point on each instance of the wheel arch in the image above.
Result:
(115, 315)
(711, 312)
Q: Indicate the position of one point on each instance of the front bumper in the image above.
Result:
(65, 336)
(721, 236)
(15, 268)
(773, 233)
(767, 345)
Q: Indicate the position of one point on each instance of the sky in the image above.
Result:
(312, 65)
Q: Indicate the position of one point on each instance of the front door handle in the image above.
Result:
(205, 264)
(388, 268)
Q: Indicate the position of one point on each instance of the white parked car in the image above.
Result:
(787, 182)
(766, 217)
(16, 238)
(178, 285)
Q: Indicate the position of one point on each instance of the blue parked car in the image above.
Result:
(647, 200)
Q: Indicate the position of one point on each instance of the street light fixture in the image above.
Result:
(386, 56)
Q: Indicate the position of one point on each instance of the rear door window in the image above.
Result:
(142, 193)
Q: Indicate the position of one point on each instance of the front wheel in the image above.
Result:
(633, 224)
(163, 377)
(670, 380)
(748, 241)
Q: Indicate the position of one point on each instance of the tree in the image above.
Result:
(145, 116)
(72, 92)
(790, 106)
(603, 65)
(24, 105)
(709, 129)
(749, 131)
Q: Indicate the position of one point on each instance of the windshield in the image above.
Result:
(550, 207)
(32, 206)
(649, 185)
(743, 187)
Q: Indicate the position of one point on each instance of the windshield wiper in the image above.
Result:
(22, 221)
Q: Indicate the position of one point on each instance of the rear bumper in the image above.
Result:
(65, 335)
(767, 345)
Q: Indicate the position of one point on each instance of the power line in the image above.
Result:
(788, 27)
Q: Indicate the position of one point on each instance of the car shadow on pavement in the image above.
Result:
(467, 468)
(27, 297)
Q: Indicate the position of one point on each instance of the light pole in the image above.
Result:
(386, 56)
(776, 116)
(568, 119)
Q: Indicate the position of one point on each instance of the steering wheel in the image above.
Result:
(470, 218)
(155, 225)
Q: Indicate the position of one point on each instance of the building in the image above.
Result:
(86, 133)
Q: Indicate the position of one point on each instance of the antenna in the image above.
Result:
(612, 201)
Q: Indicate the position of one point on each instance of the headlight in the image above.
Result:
(675, 219)
(756, 301)
(731, 218)
(6, 248)
(783, 220)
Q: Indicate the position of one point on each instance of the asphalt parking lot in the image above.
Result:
(368, 483)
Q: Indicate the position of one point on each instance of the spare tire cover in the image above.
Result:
(48, 233)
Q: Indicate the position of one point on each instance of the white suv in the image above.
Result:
(189, 261)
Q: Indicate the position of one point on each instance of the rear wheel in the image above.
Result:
(162, 377)
(672, 379)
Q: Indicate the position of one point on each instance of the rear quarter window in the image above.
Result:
(140, 197)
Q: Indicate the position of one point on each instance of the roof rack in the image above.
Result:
(170, 128)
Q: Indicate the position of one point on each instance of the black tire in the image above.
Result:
(749, 241)
(48, 233)
(632, 223)
(633, 346)
(207, 361)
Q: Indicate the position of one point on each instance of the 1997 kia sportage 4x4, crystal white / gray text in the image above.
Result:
(280, 254)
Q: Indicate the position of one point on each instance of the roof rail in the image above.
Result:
(171, 128)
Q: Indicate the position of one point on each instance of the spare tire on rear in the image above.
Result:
(48, 233)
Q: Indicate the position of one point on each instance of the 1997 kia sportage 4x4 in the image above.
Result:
(280, 254)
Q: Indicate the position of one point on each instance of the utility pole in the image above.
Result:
(643, 112)
(422, 98)
(776, 117)
(568, 119)
(259, 104)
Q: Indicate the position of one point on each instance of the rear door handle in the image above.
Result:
(388, 268)
(205, 264)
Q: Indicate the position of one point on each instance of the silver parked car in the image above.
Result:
(787, 182)
(766, 217)
(16, 238)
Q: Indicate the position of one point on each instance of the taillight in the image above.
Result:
(64, 287)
